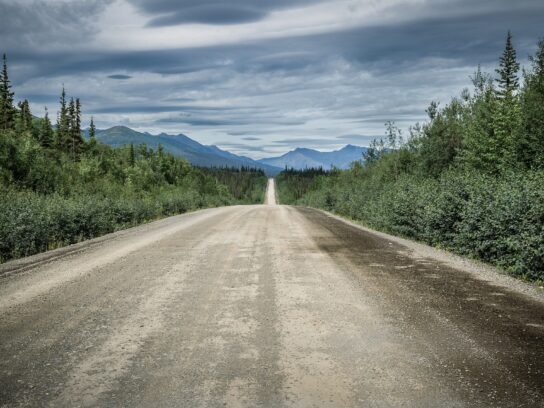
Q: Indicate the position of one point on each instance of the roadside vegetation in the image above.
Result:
(470, 179)
(58, 188)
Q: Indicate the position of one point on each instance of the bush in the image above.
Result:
(499, 220)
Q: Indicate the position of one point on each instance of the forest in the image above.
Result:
(470, 179)
(59, 187)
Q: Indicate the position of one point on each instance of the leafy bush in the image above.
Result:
(50, 200)
(496, 219)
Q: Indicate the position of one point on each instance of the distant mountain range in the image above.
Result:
(302, 158)
(181, 146)
(212, 156)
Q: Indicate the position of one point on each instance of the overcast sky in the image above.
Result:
(258, 77)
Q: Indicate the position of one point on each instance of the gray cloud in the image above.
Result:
(40, 23)
(201, 121)
(359, 140)
(280, 93)
(173, 12)
(241, 147)
(306, 141)
(158, 108)
(119, 76)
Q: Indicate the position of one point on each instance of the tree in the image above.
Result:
(75, 131)
(508, 113)
(46, 135)
(440, 140)
(74, 128)
(92, 133)
(63, 122)
(480, 146)
(508, 69)
(132, 155)
(7, 110)
(71, 123)
(530, 146)
(24, 122)
(374, 151)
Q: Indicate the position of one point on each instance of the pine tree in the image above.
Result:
(46, 134)
(480, 147)
(530, 146)
(508, 70)
(92, 133)
(507, 115)
(76, 130)
(63, 122)
(77, 119)
(25, 117)
(71, 128)
(7, 111)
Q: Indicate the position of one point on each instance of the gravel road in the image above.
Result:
(270, 306)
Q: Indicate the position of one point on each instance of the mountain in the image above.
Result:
(302, 158)
(181, 146)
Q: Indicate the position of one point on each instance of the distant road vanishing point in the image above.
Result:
(264, 306)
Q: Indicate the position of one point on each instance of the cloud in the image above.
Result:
(293, 73)
(119, 76)
(201, 121)
(241, 147)
(359, 140)
(173, 12)
(305, 141)
(37, 24)
(209, 14)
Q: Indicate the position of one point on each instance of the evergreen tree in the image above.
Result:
(92, 133)
(530, 146)
(46, 135)
(77, 140)
(63, 122)
(507, 115)
(480, 146)
(508, 69)
(77, 118)
(24, 123)
(72, 128)
(7, 111)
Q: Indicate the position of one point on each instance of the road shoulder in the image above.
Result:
(477, 269)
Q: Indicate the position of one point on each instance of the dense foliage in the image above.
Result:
(246, 185)
(57, 188)
(471, 179)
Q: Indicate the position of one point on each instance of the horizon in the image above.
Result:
(258, 79)
(321, 150)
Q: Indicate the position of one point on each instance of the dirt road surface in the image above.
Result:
(262, 306)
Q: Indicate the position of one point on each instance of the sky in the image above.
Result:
(258, 77)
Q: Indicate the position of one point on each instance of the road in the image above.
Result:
(265, 305)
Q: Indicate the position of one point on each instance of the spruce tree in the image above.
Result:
(76, 131)
(71, 125)
(63, 122)
(7, 111)
(46, 134)
(92, 133)
(480, 147)
(530, 146)
(24, 117)
(507, 115)
(508, 70)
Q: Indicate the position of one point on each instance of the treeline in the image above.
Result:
(470, 179)
(246, 184)
(57, 188)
